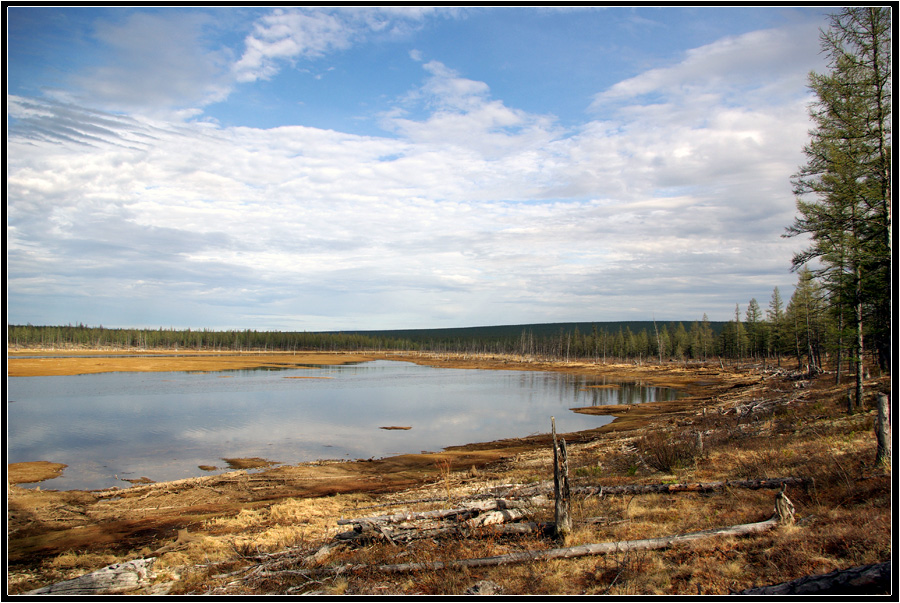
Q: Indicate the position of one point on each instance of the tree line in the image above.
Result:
(799, 330)
(81, 336)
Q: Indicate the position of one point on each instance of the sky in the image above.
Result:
(356, 168)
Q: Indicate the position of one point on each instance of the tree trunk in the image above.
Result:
(577, 551)
(859, 340)
(883, 430)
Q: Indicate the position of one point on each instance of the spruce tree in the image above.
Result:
(843, 191)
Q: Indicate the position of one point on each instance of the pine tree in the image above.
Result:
(847, 174)
(775, 318)
(804, 317)
(753, 320)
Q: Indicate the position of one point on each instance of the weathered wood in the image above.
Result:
(873, 579)
(112, 579)
(883, 430)
(470, 509)
(561, 491)
(575, 551)
(784, 508)
(497, 517)
(404, 527)
(752, 484)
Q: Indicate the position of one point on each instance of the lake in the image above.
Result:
(110, 427)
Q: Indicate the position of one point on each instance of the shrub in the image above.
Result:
(667, 452)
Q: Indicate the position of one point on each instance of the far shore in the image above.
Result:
(57, 362)
(43, 362)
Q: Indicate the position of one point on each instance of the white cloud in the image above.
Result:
(286, 35)
(473, 212)
(734, 66)
(156, 61)
(289, 35)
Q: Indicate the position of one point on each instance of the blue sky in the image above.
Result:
(401, 167)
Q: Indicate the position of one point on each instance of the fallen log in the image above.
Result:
(444, 523)
(752, 484)
(520, 491)
(112, 579)
(575, 551)
(396, 536)
(459, 512)
(873, 579)
(497, 517)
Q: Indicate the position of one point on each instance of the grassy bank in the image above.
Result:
(224, 534)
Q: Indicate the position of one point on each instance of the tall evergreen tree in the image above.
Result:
(804, 316)
(775, 318)
(843, 191)
(753, 325)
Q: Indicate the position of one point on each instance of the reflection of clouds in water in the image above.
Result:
(164, 425)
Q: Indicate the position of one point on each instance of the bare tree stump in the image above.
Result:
(563, 521)
(883, 430)
(784, 508)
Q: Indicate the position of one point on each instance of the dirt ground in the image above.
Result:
(145, 518)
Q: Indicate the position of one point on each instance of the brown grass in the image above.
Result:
(844, 510)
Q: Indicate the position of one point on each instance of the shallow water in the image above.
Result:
(110, 427)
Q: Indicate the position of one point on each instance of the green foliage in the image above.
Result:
(843, 191)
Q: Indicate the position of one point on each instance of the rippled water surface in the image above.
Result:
(115, 426)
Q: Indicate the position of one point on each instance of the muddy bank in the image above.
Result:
(44, 523)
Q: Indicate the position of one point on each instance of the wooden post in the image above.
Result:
(883, 430)
(560, 485)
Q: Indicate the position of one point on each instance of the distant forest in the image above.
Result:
(786, 333)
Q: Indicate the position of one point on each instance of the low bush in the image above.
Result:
(668, 452)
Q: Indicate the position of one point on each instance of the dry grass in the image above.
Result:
(844, 512)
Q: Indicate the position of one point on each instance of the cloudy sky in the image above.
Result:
(401, 167)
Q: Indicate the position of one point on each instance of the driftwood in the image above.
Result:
(874, 579)
(113, 579)
(575, 551)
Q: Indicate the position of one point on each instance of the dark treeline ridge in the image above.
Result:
(751, 337)
(604, 340)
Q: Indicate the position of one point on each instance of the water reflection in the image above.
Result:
(114, 426)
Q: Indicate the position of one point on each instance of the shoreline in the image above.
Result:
(43, 523)
(55, 362)
(202, 529)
